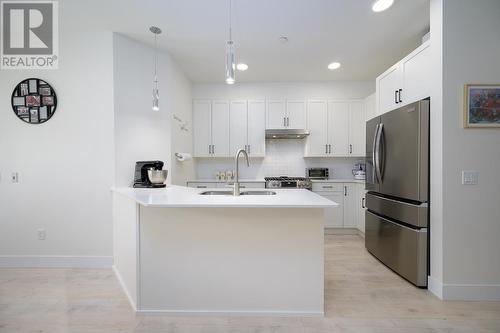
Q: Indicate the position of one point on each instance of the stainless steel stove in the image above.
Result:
(288, 182)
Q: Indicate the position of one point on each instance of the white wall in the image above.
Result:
(65, 165)
(182, 140)
(283, 157)
(465, 220)
(141, 134)
(313, 90)
(471, 52)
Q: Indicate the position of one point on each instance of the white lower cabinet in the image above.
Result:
(349, 197)
(361, 207)
(351, 205)
(334, 217)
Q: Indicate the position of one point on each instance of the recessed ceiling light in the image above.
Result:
(381, 5)
(334, 65)
(283, 39)
(242, 67)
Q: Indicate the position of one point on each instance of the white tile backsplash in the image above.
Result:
(283, 158)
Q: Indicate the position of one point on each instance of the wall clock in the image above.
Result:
(34, 101)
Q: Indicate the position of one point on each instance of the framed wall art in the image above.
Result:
(481, 105)
(34, 101)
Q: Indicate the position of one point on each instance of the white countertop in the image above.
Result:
(179, 196)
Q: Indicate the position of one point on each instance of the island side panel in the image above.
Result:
(232, 260)
(125, 245)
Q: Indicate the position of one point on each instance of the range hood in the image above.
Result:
(286, 133)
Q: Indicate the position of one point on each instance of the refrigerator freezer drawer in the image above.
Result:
(402, 249)
(408, 213)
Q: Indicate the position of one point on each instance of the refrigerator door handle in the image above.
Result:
(378, 142)
(374, 159)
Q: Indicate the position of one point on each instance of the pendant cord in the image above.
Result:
(230, 25)
(156, 58)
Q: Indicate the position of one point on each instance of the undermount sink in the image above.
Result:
(242, 193)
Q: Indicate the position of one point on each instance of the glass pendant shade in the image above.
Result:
(156, 99)
(230, 63)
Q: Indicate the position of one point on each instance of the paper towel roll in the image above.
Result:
(181, 157)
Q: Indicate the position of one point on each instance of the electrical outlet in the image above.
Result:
(41, 234)
(470, 177)
(15, 177)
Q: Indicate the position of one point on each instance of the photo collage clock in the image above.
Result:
(34, 101)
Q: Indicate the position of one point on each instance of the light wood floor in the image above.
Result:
(361, 296)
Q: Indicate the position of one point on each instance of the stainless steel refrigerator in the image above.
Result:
(397, 181)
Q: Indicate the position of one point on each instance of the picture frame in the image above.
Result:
(44, 91)
(48, 100)
(482, 106)
(34, 101)
(18, 101)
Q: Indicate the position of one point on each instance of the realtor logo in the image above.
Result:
(29, 35)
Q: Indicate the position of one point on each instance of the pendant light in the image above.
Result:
(156, 96)
(230, 59)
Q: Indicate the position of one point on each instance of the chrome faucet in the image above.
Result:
(236, 189)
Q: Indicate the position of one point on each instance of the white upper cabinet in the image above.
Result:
(276, 114)
(296, 114)
(210, 128)
(238, 132)
(202, 128)
(389, 87)
(317, 124)
(338, 128)
(357, 129)
(290, 114)
(406, 82)
(370, 107)
(256, 128)
(416, 75)
(220, 128)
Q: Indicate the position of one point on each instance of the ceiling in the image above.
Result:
(319, 32)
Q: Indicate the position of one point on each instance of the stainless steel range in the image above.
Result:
(288, 182)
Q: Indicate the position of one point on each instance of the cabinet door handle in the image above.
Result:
(284, 121)
(345, 191)
(396, 97)
(363, 203)
(201, 186)
(350, 149)
(213, 149)
(326, 149)
(329, 149)
(287, 122)
(249, 149)
(327, 186)
(400, 91)
(209, 149)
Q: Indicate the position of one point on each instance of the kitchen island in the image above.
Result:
(178, 251)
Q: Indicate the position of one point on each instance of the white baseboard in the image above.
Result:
(471, 292)
(435, 286)
(124, 288)
(464, 292)
(233, 313)
(56, 262)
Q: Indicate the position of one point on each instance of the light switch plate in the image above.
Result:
(15, 177)
(470, 177)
